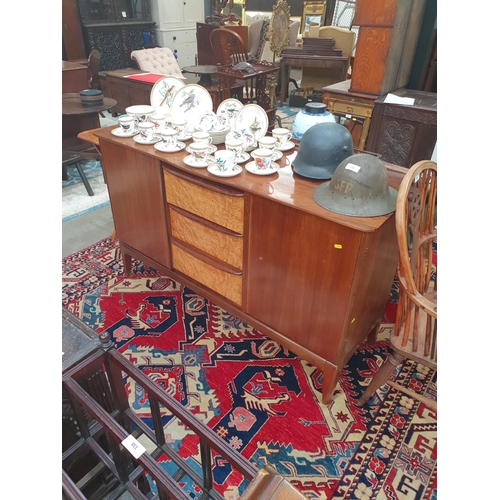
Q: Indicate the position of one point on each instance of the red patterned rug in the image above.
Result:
(262, 399)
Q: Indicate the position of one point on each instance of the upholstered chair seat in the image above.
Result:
(157, 60)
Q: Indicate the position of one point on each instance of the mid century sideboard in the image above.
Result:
(258, 246)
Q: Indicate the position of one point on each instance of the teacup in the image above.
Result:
(283, 135)
(199, 151)
(202, 137)
(127, 123)
(146, 130)
(225, 160)
(169, 137)
(268, 142)
(236, 146)
(179, 125)
(159, 122)
(263, 158)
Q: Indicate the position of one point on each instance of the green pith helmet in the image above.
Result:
(359, 186)
(321, 149)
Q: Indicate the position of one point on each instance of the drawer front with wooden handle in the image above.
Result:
(217, 241)
(225, 283)
(216, 203)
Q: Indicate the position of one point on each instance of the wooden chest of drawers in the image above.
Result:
(259, 247)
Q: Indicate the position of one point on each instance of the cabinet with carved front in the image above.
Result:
(404, 134)
(115, 28)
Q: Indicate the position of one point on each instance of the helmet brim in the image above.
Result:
(322, 195)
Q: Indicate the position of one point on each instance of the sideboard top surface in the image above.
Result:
(285, 186)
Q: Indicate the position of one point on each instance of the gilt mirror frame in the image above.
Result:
(279, 27)
(315, 8)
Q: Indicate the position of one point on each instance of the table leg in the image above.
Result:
(285, 76)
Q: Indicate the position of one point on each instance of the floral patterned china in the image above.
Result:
(168, 148)
(253, 168)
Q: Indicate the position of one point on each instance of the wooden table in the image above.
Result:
(77, 118)
(307, 61)
(129, 92)
(204, 70)
(259, 247)
(74, 77)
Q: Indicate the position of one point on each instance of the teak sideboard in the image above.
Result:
(258, 246)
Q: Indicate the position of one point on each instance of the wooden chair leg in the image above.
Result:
(381, 377)
(84, 179)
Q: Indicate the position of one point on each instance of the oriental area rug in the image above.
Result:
(261, 398)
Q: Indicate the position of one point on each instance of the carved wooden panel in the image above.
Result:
(404, 135)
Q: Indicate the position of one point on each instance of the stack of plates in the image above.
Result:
(91, 97)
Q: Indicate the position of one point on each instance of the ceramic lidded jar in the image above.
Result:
(313, 113)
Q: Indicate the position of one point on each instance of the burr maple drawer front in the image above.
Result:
(217, 279)
(214, 240)
(214, 202)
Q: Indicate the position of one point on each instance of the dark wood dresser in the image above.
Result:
(404, 135)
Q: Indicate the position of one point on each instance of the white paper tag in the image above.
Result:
(132, 445)
(351, 166)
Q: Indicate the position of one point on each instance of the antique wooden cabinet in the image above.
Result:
(114, 28)
(314, 281)
(404, 134)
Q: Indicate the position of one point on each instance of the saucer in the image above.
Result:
(243, 158)
(120, 133)
(289, 145)
(140, 140)
(189, 160)
(277, 155)
(160, 146)
(252, 168)
(211, 149)
(230, 173)
(184, 137)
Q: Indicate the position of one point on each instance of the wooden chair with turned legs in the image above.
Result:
(415, 331)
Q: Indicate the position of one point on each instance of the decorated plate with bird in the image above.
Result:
(163, 92)
(229, 110)
(191, 102)
(252, 117)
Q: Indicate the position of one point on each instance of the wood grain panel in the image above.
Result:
(375, 12)
(299, 274)
(223, 246)
(370, 61)
(228, 285)
(225, 210)
(138, 210)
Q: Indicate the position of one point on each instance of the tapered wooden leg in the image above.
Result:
(127, 263)
(381, 377)
(331, 376)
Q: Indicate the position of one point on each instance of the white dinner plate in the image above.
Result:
(253, 118)
(163, 92)
(230, 173)
(252, 168)
(161, 146)
(191, 102)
